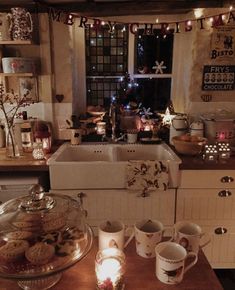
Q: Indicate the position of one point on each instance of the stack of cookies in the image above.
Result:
(36, 240)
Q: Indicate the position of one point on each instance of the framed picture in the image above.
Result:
(28, 86)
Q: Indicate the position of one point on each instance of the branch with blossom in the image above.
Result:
(10, 103)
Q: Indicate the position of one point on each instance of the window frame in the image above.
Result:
(79, 89)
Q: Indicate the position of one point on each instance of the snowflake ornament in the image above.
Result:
(159, 67)
(146, 113)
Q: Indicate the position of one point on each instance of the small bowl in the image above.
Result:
(189, 145)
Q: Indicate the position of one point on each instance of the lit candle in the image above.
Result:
(109, 266)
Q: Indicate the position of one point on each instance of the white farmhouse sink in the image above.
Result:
(97, 166)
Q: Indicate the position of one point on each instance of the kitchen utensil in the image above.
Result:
(41, 236)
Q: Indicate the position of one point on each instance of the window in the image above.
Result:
(107, 61)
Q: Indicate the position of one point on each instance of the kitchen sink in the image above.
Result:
(97, 166)
(84, 153)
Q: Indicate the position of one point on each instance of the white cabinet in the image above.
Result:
(207, 197)
(126, 206)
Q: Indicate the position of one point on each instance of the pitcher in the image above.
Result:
(4, 27)
(21, 24)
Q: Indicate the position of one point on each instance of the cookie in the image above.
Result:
(66, 248)
(27, 225)
(13, 250)
(54, 225)
(51, 238)
(18, 235)
(40, 253)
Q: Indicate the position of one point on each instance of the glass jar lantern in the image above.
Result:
(45, 139)
(38, 152)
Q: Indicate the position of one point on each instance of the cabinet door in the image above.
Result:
(128, 207)
(214, 211)
(220, 252)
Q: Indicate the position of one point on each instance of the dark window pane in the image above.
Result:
(152, 48)
(154, 93)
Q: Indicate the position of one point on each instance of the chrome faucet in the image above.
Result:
(113, 117)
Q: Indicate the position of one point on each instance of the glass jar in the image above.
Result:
(38, 152)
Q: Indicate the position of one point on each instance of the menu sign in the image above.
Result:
(218, 78)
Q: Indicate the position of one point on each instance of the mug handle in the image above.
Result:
(171, 238)
(207, 241)
(191, 254)
(131, 235)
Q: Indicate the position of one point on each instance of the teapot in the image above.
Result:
(179, 126)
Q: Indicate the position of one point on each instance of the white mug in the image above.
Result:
(76, 136)
(148, 233)
(131, 138)
(189, 235)
(113, 234)
(170, 262)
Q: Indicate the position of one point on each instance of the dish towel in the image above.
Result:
(147, 175)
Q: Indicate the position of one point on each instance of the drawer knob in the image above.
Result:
(227, 179)
(220, 231)
(224, 193)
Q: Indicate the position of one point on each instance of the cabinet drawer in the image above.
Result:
(207, 179)
(206, 205)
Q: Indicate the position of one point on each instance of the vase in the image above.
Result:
(12, 148)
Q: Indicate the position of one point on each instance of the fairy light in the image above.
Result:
(198, 12)
(157, 20)
(189, 23)
(223, 17)
(230, 7)
(103, 22)
(91, 25)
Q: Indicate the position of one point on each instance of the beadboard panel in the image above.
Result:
(126, 206)
(206, 178)
(205, 205)
(221, 251)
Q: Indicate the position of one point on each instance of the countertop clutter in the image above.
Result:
(140, 275)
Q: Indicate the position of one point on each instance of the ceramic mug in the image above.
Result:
(113, 234)
(189, 235)
(170, 262)
(76, 136)
(148, 233)
(132, 138)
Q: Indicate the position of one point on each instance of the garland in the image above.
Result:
(68, 18)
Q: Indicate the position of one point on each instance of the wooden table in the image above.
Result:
(140, 275)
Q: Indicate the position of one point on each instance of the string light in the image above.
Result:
(157, 20)
(231, 8)
(103, 22)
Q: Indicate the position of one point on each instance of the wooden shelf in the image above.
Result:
(17, 74)
(15, 42)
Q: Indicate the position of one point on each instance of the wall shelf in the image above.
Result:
(15, 42)
(17, 74)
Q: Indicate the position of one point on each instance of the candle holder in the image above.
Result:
(110, 269)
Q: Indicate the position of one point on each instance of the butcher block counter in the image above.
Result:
(140, 275)
(22, 163)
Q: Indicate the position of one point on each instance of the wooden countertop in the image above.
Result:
(27, 163)
(140, 275)
(22, 163)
